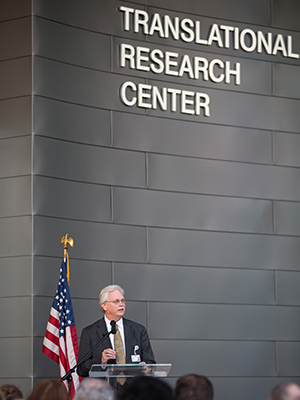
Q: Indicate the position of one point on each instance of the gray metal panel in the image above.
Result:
(16, 312)
(191, 284)
(285, 14)
(43, 366)
(286, 80)
(287, 288)
(288, 358)
(56, 41)
(186, 138)
(15, 196)
(96, 241)
(15, 9)
(238, 109)
(86, 277)
(216, 358)
(18, 228)
(249, 11)
(223, 178)
(151, 208)
(15, 157)
(255, 75)
(206, 25)
(90, 164)
(74, 200)
(181, 247)
(71, 122)
(78, 85)
(223, 322)
(11, 126)
(90, 14)
(16, 276)
(287, 218)
(15, 38)
(246, 388)
(287, 149)
(15, 77)
(17, 353)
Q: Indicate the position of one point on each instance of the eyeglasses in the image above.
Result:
(117, 302)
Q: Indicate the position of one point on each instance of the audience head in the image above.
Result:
(146, 388)
(94, 389)
(194, 387)
(285, 391)
(49, 390)
(11, 392)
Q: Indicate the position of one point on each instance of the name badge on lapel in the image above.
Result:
(135, 357)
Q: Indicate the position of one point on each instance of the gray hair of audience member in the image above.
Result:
(285, 391)
(11, 392)
(94, 389)
(103, 296)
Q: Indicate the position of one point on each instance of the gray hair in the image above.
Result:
(103, 296)
(94, 389)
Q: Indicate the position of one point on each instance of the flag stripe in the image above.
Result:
(60, 341)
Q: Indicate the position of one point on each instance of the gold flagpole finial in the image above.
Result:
(67, 240)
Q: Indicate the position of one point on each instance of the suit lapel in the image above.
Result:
(128, 339)
(101, 329)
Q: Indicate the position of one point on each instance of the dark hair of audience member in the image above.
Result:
(146, 388)
(194, 387)
(11, 392)
(49, 390)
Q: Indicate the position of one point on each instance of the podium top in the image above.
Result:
(130, 370)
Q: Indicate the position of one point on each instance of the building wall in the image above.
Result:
(195, 216)
(15, 194)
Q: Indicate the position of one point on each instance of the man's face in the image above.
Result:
(115, 306)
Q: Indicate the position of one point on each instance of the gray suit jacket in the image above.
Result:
(135, 334)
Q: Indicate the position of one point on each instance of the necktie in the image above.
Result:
(120, 354)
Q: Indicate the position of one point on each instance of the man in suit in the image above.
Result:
(134, 337)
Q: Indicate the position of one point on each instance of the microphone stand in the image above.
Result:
(68, 375)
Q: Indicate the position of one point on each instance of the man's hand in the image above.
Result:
(107, 354)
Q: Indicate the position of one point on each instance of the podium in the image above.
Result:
(108, 371)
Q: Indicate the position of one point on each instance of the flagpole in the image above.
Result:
(65, 240)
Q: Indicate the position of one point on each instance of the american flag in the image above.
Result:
(60, 341)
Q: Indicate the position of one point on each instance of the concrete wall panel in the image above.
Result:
(71, 122)
(90, 164)
(98, 241)
(17, 353)
(287, 219)
(16, 196)
(71, 45)
(151, 208)
(287, 284)
(15, 77)
(222, 178)
(74, 200)
(223, 322)
(16, 277)
(183, 247)
(195, 285)
(286, 149)
(11, 126)
(186, 138)
(15, 156)
(215, 358)
(19, 33)
(18, 228)
(17, 323)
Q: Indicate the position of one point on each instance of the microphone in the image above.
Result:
(113, 327)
